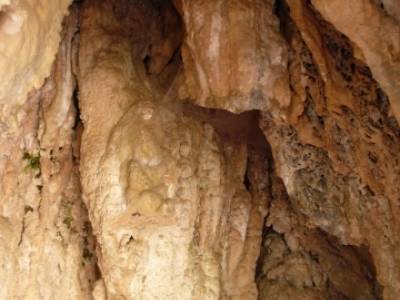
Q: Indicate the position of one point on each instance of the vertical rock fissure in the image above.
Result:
(88, 239)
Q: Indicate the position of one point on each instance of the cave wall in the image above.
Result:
(24, 26)
(45, 232)
(373, 29)
(160, 150)
(333, 155)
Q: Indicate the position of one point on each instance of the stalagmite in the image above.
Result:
(165, 193)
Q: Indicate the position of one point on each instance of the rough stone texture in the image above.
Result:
(338, 155)
(391, 7)
(376, 36)
(165, 193)
(298, 200)
(318, 271)
(24, 54)
(331, 144)
(307, 263)
(233, 55)
(44, 237)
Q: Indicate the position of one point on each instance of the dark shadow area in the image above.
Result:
(239, 128)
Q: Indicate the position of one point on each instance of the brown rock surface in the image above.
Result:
(165, 193)
(44, 231)
(376, 36)
(334, 155)
(199, 149)
(233, 55)
(332, 145)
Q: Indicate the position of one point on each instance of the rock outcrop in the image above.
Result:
(330, 141)
(24, 26)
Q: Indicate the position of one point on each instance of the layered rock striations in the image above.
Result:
(374, 30)
(331, 140)
(26, 59)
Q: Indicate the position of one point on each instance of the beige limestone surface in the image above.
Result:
(44, 233)
(165, 194)
(133, 164)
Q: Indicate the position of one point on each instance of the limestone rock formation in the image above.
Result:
(44, 228)
(333, 156)
(233, 55)
(156, 149)
(24, 26)
(165, 193)
(376, 36)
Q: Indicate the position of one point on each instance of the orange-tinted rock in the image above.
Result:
(178, 192)
(44, 235)
(233, 55)
(376, 37)
(165, 192)
(333, 154)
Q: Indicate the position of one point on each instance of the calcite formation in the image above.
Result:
(199, 149)
(233, 55)
(25, 57)
(165, 193)
(44, 227)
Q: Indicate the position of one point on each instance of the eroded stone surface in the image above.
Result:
(45, 235)
(333, 154)
(307, 263)
(233, 55)
(24, 26)
(375, 34)
(165, 193)
(177, 194)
